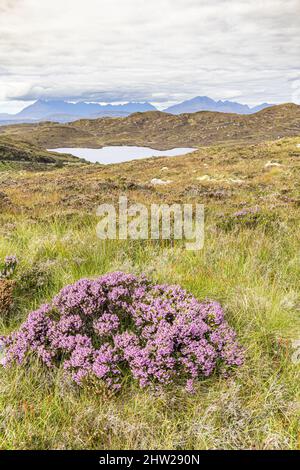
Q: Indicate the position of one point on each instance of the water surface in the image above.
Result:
(115, 154)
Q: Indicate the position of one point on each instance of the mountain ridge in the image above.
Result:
(65, 111)
(204, 103)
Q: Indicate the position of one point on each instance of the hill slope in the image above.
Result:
(162, 131)
(25, 153)
(249, 264)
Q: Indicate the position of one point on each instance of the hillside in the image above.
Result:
(162, 131)
(213, 175)
(249, 264)
(13, 151)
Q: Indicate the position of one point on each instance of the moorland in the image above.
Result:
(246, 173)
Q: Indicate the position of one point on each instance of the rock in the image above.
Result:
(271, 164)
(157, 181)
(203, 178)
(236, 180)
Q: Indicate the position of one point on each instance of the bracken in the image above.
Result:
(120, 324)
(6, 297)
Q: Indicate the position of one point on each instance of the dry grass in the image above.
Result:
(162, 131)
(254, 272)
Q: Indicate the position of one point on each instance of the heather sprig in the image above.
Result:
(121, 323)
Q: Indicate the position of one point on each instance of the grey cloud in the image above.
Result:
(118, 50)
(7, 5)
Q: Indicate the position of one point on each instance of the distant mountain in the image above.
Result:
(204, 103)
(63, 111)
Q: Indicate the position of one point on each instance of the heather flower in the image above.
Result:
(121, 324)
(108, 323)
(245, 212)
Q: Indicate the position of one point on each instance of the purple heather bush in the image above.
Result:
(121, 325)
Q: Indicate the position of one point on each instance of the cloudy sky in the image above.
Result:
(162, 51)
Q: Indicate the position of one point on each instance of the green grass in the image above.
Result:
(256, 277)
(47, 220)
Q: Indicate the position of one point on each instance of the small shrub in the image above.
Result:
(8, 267)
(120, 325)
(34, 278)
(248, 218)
